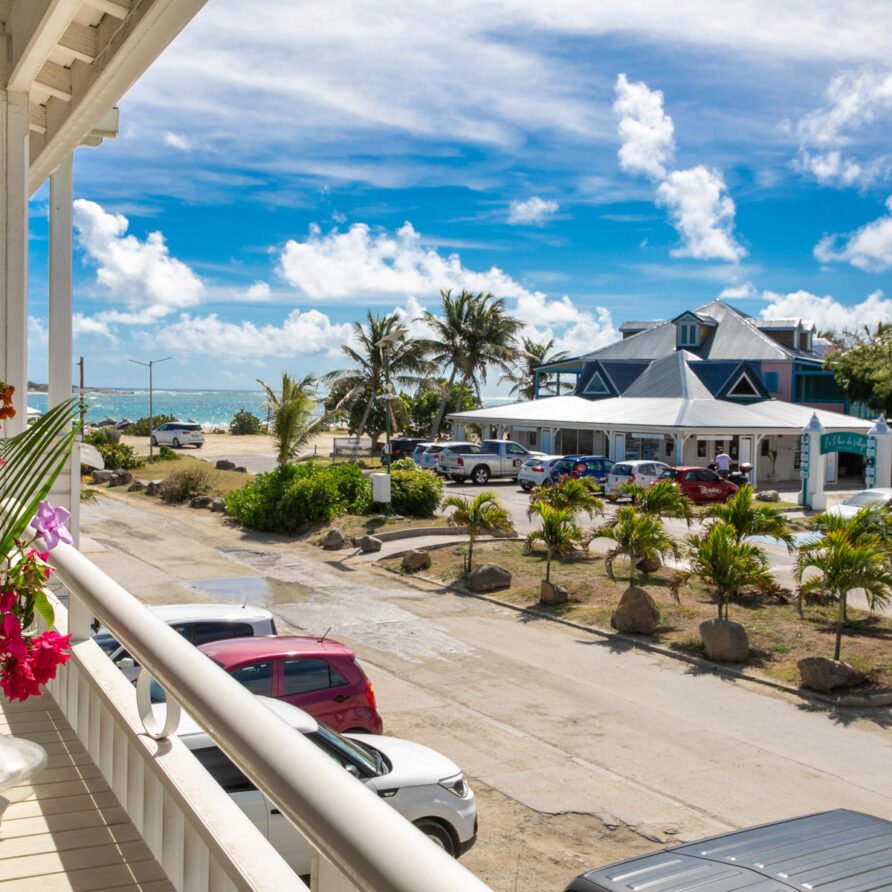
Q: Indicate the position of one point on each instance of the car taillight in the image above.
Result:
(538, 468)
(631, 478)
(461, 462)
(370, 695)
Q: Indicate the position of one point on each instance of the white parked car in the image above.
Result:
(536, 471)
(866, 498)
(419, 449)
(429, 460)
(178, 433)
(426, 788)
(641, 472)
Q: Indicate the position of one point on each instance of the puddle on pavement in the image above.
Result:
(261, 591)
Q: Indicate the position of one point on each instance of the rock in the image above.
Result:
(218, 505)
(650, 563)
(200, 502)
(488, 578)
(223, 464)
(120, 478)
(637, 614)
(537, 546)
(102, 476)
(241, 469)
(136, 486)
(822, 674)
(367, 544)
(416, 560)
(768, 495)
(549, 593)
(153, 487)
(333, 540)
(725, 641)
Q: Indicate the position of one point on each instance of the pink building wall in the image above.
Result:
(784, 379)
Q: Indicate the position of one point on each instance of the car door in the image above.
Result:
(712, 487)
(317, 687)
(515, 456)
(256, 676)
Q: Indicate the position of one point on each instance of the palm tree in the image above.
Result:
(559, 531)
(637, 536)
(750, 519)
(292, 414)
(522, 374)
(724, 562)
(842, 565)
(473, 333)
(378, 366)
(663, 499)
(570, 493)
(482, 514)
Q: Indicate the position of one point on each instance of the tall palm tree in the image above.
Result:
(843, 565)
(530, 356)
(637, 536)
(292, 414)
(482, 514)
(726, 563)
(473, 333)
(559, 531)
(748, 518)
(570, 493)
(378, 367)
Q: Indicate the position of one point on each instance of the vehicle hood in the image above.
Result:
(412, 765)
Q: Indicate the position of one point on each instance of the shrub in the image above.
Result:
(415, 493)
(404, 464)
(141, 428)
(184, 484)
(103, 436)
(117, 456)
(165, 453)
(244, 422)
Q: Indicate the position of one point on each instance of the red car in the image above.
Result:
(321, 677)
(700, 484)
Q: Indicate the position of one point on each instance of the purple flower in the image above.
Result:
(50, 524)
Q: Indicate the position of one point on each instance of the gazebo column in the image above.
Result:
(14, 163)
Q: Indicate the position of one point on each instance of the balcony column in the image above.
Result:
(14, 163)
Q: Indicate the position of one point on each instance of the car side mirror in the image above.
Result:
(350, 768)
(126, 663)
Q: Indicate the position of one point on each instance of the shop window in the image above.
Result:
(701, 448)
(770, 380)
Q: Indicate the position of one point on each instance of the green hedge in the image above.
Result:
(117, 456)
(244, 422)
(141, 428)
(414, 492)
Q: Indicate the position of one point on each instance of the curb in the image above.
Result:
(873, 701)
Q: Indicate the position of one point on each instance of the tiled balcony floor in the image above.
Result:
(71, 834)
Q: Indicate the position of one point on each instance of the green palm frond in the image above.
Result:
(750, 519)
(663, 499)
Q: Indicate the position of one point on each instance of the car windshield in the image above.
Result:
(863, 499)
(669, 474)
(107, 642)
(621, 470)
(350, 750)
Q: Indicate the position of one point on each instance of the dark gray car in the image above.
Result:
(834, 851)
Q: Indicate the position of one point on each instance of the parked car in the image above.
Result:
(403, 447)
(419, 449)
(320, 676)
(425, 787)
(493, 458)
(641, 472)
(177, 434)
(867, 497)
(429, 460)
(701, 485)
(536, 471)
(841, 850)
(596, 466)
(197, 623)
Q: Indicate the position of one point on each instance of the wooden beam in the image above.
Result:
(120, 9)
(81, 41)
(37, 118)
(35, 27)
(55, 80)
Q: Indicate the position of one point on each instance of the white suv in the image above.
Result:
(423, 786)
(641, 472)
(178, 433)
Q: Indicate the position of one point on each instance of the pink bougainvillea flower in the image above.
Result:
(18, 682)
(42, 557)
(48, 652)
(50, 524)
(12, 643)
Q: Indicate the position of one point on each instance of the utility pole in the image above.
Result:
(149, 365)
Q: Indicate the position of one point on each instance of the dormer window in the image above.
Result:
(692, 330)
(688, 334)
(596, 386)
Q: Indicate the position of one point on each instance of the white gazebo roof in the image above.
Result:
(670, 415)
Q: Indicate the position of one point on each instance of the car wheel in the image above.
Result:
(154, 441)
(437, 833)
(526, 487)
(456, 479)
(480, 475)
(176, 443)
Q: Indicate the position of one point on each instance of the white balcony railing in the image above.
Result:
(195, 831)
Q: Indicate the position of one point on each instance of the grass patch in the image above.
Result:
(222, 482)
(355, 525)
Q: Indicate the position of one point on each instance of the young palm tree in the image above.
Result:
(530, 356)
(559, 531)
(292, 414)
(724, 562)
(473, 333)
(482, 514)
(842, 565)
(572, 493)
(749, 518)
(663, 499)
(637, 536)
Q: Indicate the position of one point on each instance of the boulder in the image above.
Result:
(200, 502)
(724, 641)
(333, 540)
(136, 486)
(768, 495)
(650, 563)
(537, 546)
(416, 560)
(549, 593)
(637, 614)
(821, 674)
(223, 464)
(367, 544)
(102, 476)
(120, 478)
(153, 487)
(488, 578)
(241, 469)
(218, 505)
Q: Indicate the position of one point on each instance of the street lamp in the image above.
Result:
(388, 341)
(149, 365)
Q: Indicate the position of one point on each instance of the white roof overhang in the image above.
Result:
(670, 415)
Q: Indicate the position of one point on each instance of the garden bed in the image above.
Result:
(778, 637)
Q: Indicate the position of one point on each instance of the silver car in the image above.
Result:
(881, 497)
(641, 472)
(536, 471)
(178, 433)
(429, 460)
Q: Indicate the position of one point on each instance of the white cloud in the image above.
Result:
(645, 130)
(827, 313)
(575, 330)
(746, 291)
(141, 276)
(300, 335)
(258, 292)
(869, 248)
(38, 335)
(177, 141)
(855, 100)
(93, 325)
(361, 264)
(533, 211)
(702, 213)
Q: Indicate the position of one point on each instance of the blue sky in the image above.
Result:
(278, 174)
